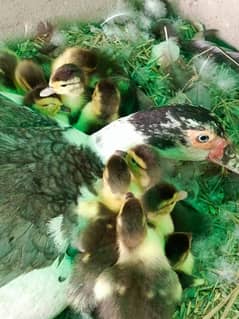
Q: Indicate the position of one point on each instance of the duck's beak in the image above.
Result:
(47, 92)
(229, 158)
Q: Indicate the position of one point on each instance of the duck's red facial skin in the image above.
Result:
(217, 151)
(214, 144)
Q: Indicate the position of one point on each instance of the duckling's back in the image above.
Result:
(140, 293)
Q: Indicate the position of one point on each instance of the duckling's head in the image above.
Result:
(144, 165)
(66, 80)
(161, 199)
(131, 223)
(117, 175)
(106, 99)
(49, 105)
(85, 59)
(178, 251)
(116, 181)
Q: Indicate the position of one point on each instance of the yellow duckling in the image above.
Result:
(110, 190)
(51, 106)
(159, 201)
(102, 109)
(141, 284)
(68, 81)
(143, 163)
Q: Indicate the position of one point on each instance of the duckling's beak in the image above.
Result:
(229, 158)
(181, 195)
(47, 92)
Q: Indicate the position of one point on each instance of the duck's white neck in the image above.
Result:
(118, 135)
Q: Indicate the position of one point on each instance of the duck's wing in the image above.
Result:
(40, 177)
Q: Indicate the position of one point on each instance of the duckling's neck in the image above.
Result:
(118, 135)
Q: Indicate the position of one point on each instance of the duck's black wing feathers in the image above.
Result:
(40, 178)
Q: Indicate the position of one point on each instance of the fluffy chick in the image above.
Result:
(141, 284)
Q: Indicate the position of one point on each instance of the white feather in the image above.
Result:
(155, 8)
(119, 135)
(55, 231)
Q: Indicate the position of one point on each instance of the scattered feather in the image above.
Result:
(165, 53)
(155, 8)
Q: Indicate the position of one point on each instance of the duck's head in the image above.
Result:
(49, 105)
(182, 132)
(131, 225)
(106, 100)
(66, 80)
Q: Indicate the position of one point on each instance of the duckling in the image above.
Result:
(44, 171)
(98, 240)
(110, 189)
(51, 106)
(28, 75)
(100, 252)
(159, 201)
(8, 64)
(178, 252)
(143, 163)
(68, 81)
(84, 59)
(102, 109)
(141, 284)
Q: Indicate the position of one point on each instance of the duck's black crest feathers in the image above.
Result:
(40, 178)
(181, 115)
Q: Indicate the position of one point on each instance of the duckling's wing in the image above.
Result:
(13, 115)
(40, 176)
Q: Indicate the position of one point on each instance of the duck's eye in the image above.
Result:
(203, 138)
(63, 85)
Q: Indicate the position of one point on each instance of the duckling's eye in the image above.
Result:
(133, 161)
(203, 138)
(63, 85)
